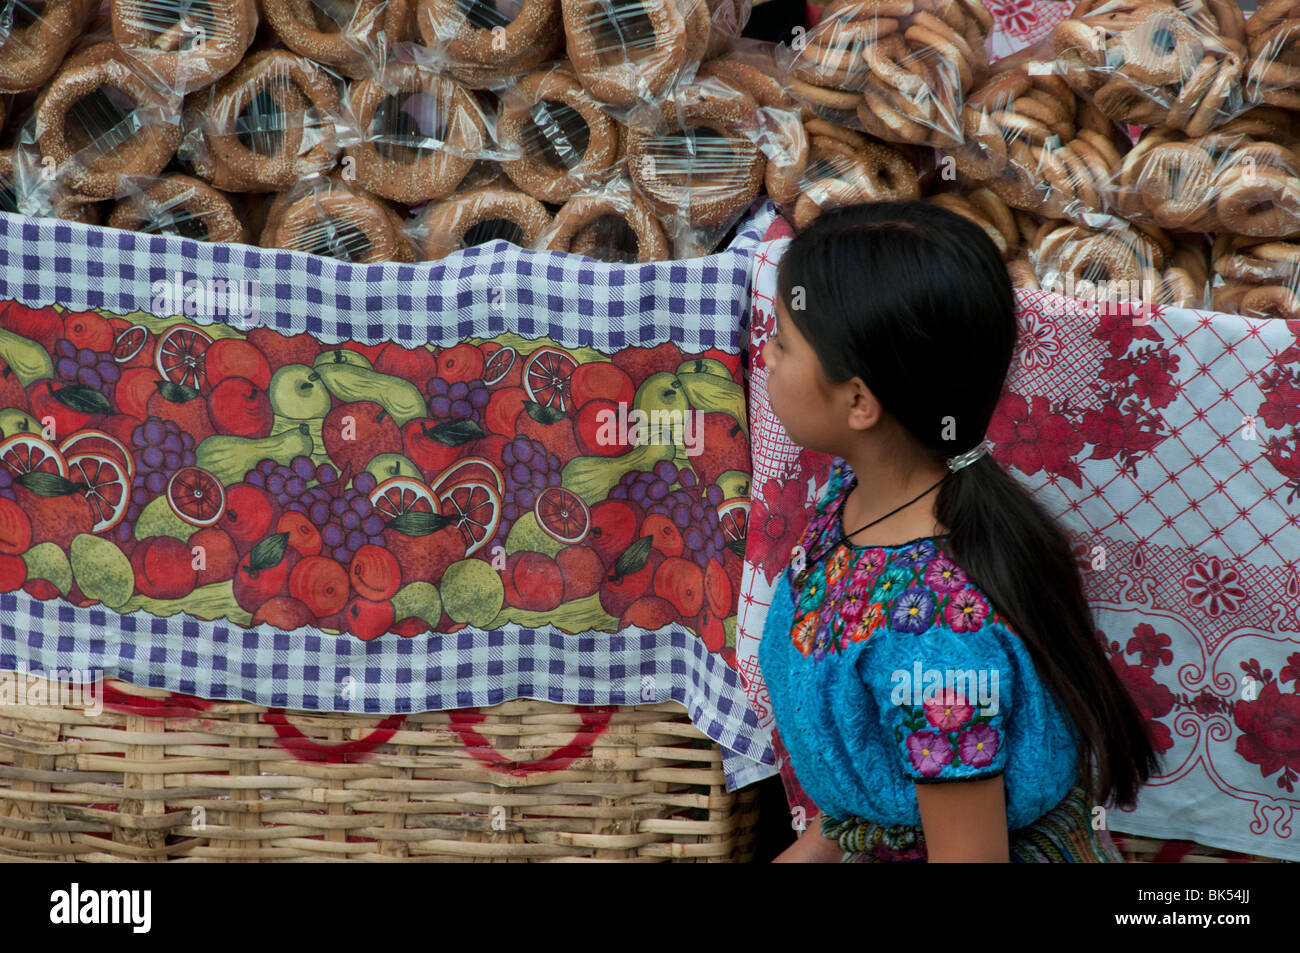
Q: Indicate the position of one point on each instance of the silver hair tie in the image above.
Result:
(969, 457)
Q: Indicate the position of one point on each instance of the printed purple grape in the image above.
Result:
(372, 526)
(331, 535)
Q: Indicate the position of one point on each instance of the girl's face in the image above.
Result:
(797, 387)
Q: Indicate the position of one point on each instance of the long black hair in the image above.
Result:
(915, 300)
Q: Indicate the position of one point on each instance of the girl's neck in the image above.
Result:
(883, 484)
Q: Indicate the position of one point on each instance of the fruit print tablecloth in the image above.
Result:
(1168, 444)
(380, 489)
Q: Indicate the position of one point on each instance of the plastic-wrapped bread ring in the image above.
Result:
(1174, 182)
(187, 45)
(97, 87)
(579, 223)
(13, 198)
(481, 32)
(717, 178)
(36, 42)
(1259, 201)
(765, 89)
(313, 28)
(625, 50)
(1271, 301)
(1161, 48)
(481, 215)
(272, 91)
(180, 205)
(448, 135)
(338, 224)
(566, 142)
(875, 174)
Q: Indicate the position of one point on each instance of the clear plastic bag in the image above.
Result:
(897, 69)
(177, 205)
(184, 44)
(478, 215)
(351, 38)
(611, 223)
(1154, 62)
(35, 38)
(1273, 70)
(100, 118)
(727, 23)
(1255, 277)
(485, 42)
(1223, 181)
(27, 189)
(847, 167)
(1037, 145)
(412, 134)
(328, 216)
(557, 140)
(630, 51)
(266, 125)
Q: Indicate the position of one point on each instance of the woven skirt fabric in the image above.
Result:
(1064, 835)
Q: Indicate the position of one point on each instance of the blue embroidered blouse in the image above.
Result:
(890, 668)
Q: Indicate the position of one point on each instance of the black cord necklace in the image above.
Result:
(801, 578)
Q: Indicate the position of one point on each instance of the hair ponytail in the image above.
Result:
(894, 290)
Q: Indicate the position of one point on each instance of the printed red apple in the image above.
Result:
(595, 429)
(711, 631)
(281, 349)
(164, 568)
(55, 519)
(321, 584)
(303, 536)
(41, 589)
(619, 592)
(15, 529)
(235, 357)
(615, 525)
(649, 612)
(717, 589)
(464, 362)
(410, 627)
(134, 388)
(723, 446)
(88, 329)
(582, 570)
(264, 572)
(667, 537)
(66, 412)
(283, 612)
(184, 406)
(13, 573)
(414, 364)
(374, 573)
(600, 379)
(240, 408)
(681, 582)
(249, 516)
(42, 325)
(12, 393)
(368, 620)
(550, 428)
(640, 362)
(220, 557)
(426, 447)
(537, 582)
(503, 410)
(425, 558)
(356, 433)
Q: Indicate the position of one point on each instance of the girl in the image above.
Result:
(931, 658)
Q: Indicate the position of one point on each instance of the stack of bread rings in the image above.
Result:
(1037, 145)
(187, 46)
(846, 167)
(1222, 181)
(1257, 277)
(1273, 71)
(897, 69)
(1151, 63)
(1007, 227)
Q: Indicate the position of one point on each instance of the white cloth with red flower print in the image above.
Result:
(1168, 445)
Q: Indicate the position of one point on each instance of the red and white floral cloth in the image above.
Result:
(1168, 445)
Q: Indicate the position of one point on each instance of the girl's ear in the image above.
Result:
(864, 409)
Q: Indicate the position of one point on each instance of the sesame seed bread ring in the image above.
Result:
(577, 222)
(767, 92)
(782, 176)
(930, 43)
(61, 206)
(879, 115)
(998, 213)
(1049, 111)
(31, 51)
(449, 225)
(1101, 172)
(820, 97)
(963, 207)
(1022, 275)
(1227, 297)
(1271, 301)
(154, 32)
(1120, 99)
(477, 33)
(1264, 202)
(307, 29)
(1174, 182)
(721, 177)
(337, 224)
(1266, 263)
(622, 73)
(1082, 179)
(92, 164)
(1223, 95)
(1160, 49)
(1104, 147)
(180, 205)
(850, 137)
(1084, 42)
(848, 10)
(1177, 288)
(1192, 92)
(431, 172)
(573, 150)
(305, 101)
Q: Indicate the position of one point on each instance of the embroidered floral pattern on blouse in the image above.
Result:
(850, 592)
(944, 731)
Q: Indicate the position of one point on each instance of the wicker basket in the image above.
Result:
(159, 776)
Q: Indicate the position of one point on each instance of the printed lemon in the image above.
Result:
(527, 536)
(101, 570)
(472, 592)
(48, 561)
(158, 519)
(419, 600)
